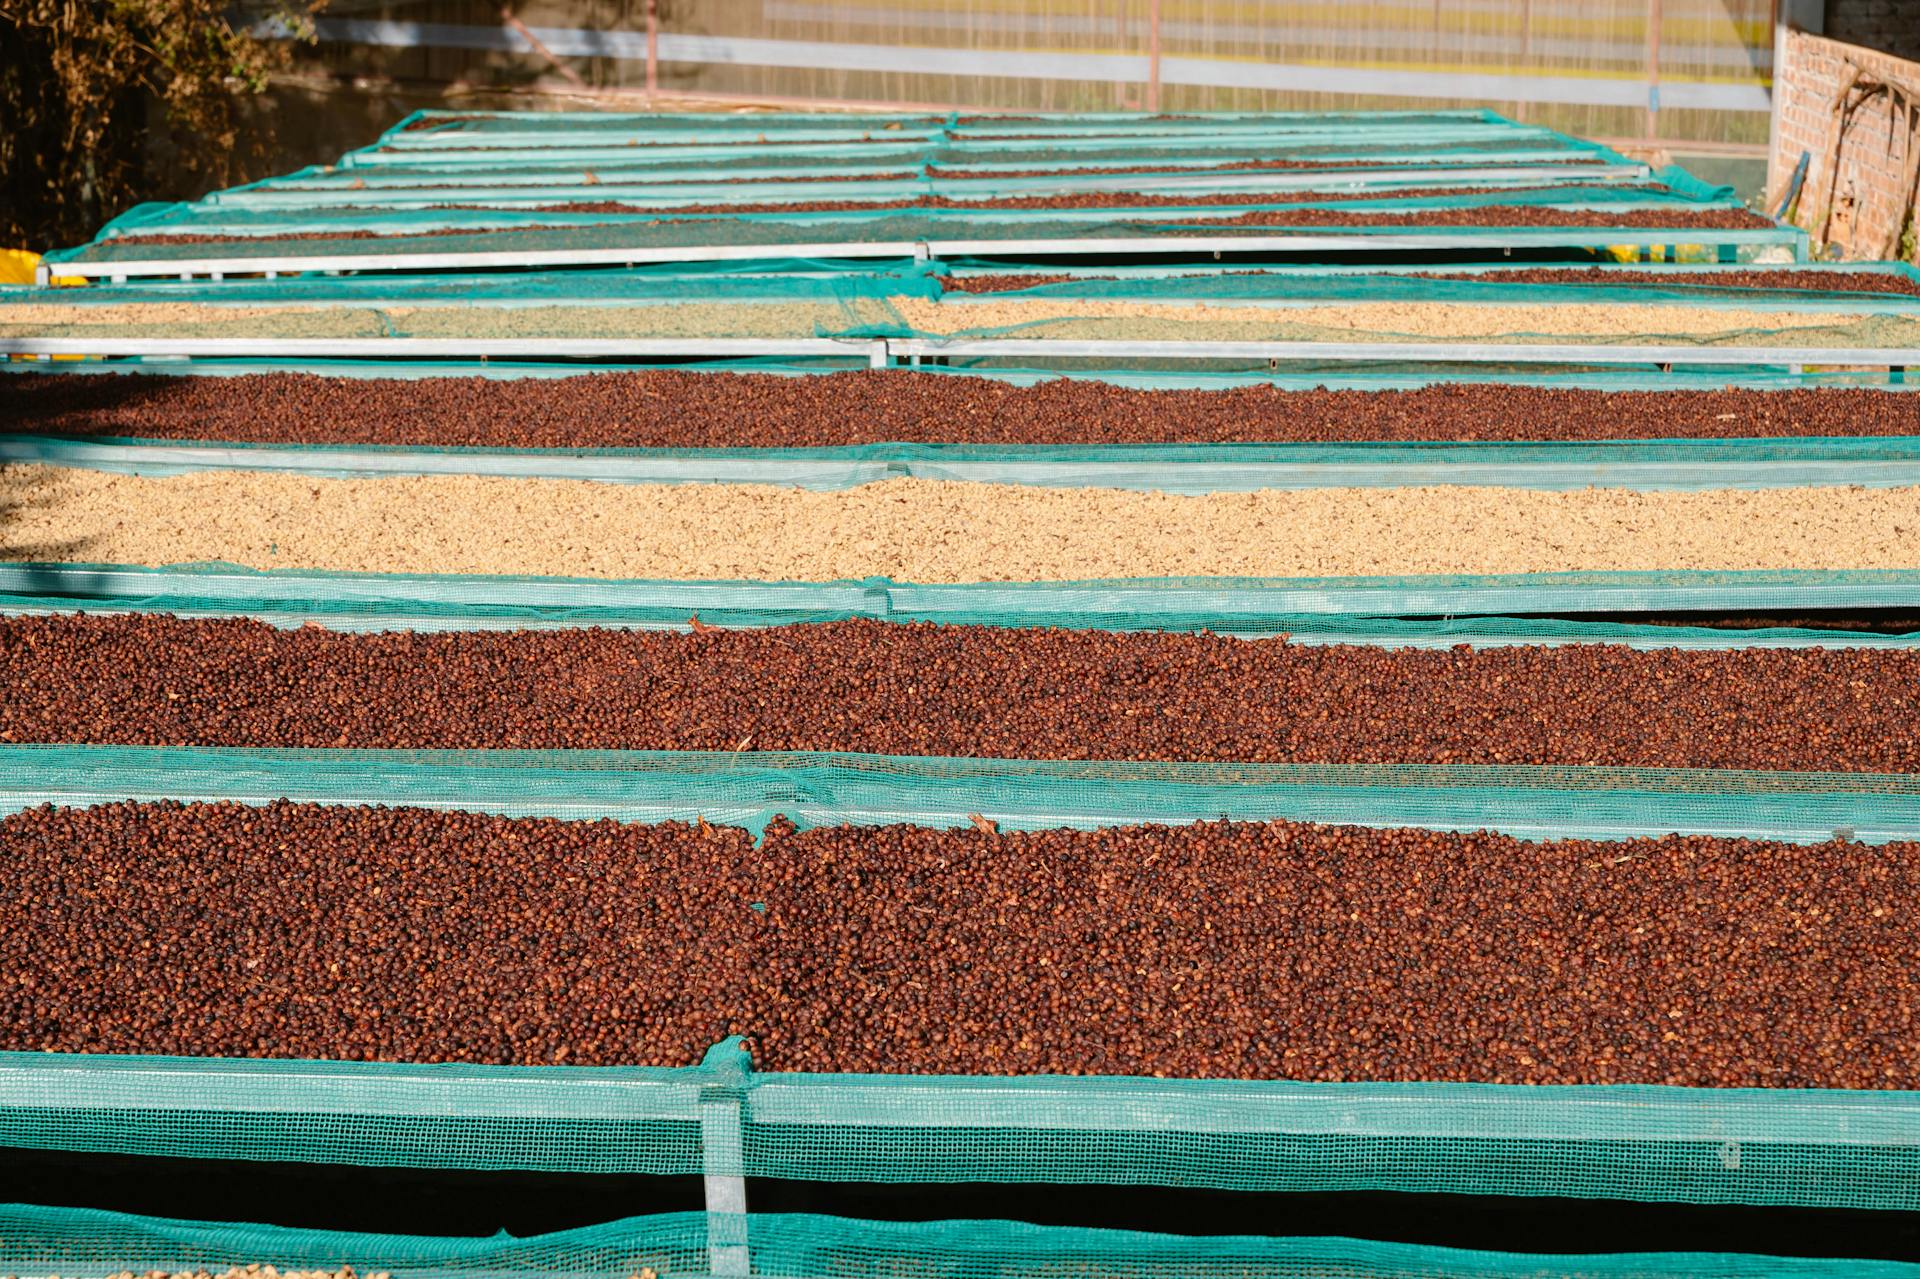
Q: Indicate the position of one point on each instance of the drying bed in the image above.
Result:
(954, 167)
(1215, 950)
(675, 409)
(932, 531)
(929, 690)
(1544, 320)
(1773, 279)
(1125, 200)
(913, 193)
(295, 929)
(1676, 217)
(536, 229)
(695, 225)
(1541, 320)
(1769, 278)
(902, 175)
(373, 319)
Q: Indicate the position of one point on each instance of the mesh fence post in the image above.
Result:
(722, 1156)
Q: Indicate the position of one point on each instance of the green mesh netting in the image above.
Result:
(1207, 153)
(1805, 1147)
(84, 1244)
(1143, 374)
(1811, 1147)
(804, 280)
(1691, 279)
(463, 123)
(895, 299)
(443, 228)
(571, 234)
(447, 184)
(667, 227)
(436, 128)
(1236, 606)
(876, 309)
(767, 299)
(1682, 465)
(1694, 285)
(1358, 162)
(908, 178)
(776, 279)
(826, 788)
(925, 145)
(1387, 632)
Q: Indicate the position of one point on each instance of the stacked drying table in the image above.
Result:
(1413, 484)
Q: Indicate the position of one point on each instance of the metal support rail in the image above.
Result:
(873, 350)
(502, 260)
(1690, 466)
(1503, 239)
(887, 352)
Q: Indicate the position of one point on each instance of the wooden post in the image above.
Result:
(1153, 55)
(1526, 50)
(526, 33)
(1653, 68)
(653, 50)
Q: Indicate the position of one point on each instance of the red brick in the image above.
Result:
(1872, 156)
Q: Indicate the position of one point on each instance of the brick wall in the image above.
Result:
(1891, 26)
(1859, 206)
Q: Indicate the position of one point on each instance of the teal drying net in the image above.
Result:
(769, 280)
(720, 1118)
(270, 232)
(630, 189)
(289, 225)
(448, 172)
(1804, 1147)
(820, 788)
(1666, 465)
(81, 1243)
(906, 300)
(1298, 628)
(1820, 285)
(1234, 606)
(1153, 375)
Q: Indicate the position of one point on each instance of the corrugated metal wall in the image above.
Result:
(1693, 70)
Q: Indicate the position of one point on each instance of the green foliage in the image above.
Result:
(90, 88)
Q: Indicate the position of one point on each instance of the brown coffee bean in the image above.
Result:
(955, 690)
(1217, 950)
(369, 933)
(672, 409)
(1772, 278)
